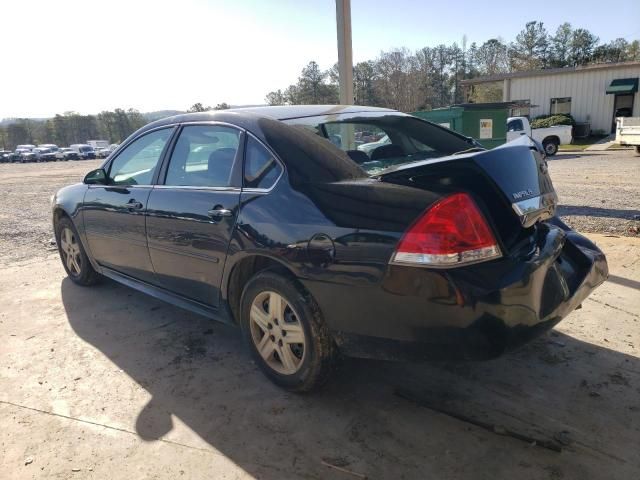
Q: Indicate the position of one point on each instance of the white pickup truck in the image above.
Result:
(550, 137)
(628, 132)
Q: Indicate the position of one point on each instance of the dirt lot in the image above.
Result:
(104, 382)
(599, 191)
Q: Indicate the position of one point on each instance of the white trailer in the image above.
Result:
(98, 144)
(628, 132)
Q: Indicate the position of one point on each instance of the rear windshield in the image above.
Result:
(379, 142)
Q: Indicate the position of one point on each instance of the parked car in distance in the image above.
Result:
(5, 156)
(67, 154)
(550, 137)
(16, 156)
(23, 155)
(102, 152)
(51, 146)
(431, 247)
(26, 147)
(85, 151)
(44, 154)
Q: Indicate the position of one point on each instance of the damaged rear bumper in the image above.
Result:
(477, 312)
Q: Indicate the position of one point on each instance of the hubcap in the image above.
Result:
(70, 250)
(277, 333)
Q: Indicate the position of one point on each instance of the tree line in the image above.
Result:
(71, 127)
(430, 77)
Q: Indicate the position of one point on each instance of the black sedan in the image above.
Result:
(425, 247)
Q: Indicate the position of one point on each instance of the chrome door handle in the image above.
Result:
(134, 205)
(218, 212)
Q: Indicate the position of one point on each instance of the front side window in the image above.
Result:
(136, 164)
(203, 156)
(261, 169)
(561, 105)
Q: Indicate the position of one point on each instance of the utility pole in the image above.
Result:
(345, 57)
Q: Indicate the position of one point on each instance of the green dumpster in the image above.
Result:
(486, 122)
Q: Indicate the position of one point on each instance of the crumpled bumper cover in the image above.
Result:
(492, 309)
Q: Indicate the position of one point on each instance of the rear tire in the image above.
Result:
(550, 148)
(285, 332)
(73, 256)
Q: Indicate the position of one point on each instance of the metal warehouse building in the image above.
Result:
(593, 94)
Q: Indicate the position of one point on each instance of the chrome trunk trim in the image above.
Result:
(536, 208)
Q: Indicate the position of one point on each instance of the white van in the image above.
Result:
(84, 150)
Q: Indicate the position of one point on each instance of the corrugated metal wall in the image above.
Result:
(589, 102)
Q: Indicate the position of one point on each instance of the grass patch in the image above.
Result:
(617, 146)
(579, 144)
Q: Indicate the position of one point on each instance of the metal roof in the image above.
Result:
(548, 71)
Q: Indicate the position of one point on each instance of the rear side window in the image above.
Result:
(515, 126)
(203, 156)
(261, 169)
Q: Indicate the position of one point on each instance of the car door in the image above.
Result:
(114, 214)
(515, 129)
(191, 213)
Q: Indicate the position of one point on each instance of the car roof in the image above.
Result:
(241, 116)
(285, 112)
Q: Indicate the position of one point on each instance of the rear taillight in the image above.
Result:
(452, 232)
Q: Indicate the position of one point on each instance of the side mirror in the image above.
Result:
(96, 177)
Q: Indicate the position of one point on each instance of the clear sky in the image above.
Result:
(92, 55)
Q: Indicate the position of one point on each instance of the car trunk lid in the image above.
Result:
(512, 182)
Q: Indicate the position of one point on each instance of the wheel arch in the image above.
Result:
(242, 271)
(551, 138)
(58, 213)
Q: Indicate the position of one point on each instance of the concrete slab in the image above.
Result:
(603, 144)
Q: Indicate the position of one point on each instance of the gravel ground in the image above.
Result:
(599, 193)
(25, 213)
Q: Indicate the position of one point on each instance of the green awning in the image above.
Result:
(623, 85)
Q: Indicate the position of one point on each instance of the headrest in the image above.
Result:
(387, 151)
(358, 156)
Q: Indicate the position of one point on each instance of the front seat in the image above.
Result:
(387, 151)
(219, 167)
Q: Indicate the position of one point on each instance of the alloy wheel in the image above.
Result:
(277, 333)
(70, 249)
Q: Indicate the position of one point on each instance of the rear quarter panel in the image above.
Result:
(339, 235)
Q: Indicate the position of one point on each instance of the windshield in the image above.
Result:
(379, 142)
(86, 149)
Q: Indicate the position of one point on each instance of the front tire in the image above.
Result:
(74, 258)
(285, 332)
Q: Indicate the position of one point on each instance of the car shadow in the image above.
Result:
(198, 371)
(588, 211)
(564, 156)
